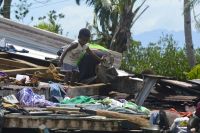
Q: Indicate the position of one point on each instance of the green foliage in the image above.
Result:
(163, 57)
(52, 25)
(109, 16)
(197, 53)
(22, 9)
(194, 73)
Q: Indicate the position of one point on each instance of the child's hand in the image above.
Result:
(60, 63)
(103, 59)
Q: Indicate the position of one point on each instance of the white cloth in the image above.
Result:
(72, 56)
(176, 127)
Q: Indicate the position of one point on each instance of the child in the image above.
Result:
(71, 54)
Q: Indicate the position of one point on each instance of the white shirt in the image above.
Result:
(73, 56)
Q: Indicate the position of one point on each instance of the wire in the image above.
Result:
(40, 6)
(36, 2)
(42, 2)
(48, 4)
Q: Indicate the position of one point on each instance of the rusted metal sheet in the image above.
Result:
(31, 37)
(62, 122)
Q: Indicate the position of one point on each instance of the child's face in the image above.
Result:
(83, 40)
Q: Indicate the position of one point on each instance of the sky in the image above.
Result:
(166, 15)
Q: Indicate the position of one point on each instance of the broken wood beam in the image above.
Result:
(26, 62)
(178, 83)
(13, 63)
(149, 82)
(24, 70)
(4, 55)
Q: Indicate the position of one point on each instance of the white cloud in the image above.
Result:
(161, 14)
(76, 18)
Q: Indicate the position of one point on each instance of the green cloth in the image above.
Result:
(135, 107)
(79, 100)
(97, 46)
(92, 46)
(131, 105)
(106, 101)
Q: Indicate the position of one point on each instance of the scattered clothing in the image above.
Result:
(57, 93)
(2, 74)
(179, 125)
(28, 98)
(79, 100)
(122, 110)
(136, 108)
(154, 117)
(182, 114)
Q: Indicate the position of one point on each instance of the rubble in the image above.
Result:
(120, 101)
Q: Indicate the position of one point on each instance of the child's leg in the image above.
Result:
(75, 75)
(68, 77)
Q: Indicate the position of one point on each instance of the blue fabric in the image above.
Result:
(154, 117)
(2, 74)
(28, 98)
(56, 91)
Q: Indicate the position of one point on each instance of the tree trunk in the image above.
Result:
(1, 2)
(122, 35)
(6, 8)
(188, 34)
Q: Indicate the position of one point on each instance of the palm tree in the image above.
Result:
(5, 11)
(194, 3)
(116, 17)
(188, 34)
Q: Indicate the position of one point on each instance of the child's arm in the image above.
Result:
(94, 55)
(72, 46)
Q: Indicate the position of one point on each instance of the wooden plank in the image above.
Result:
(27, 63)
(4, 55)
(180, 98)
(62, 122)
(178, 83)
(13, 63)
(195, 81)
(6, 67)
(88, 90)
(24, 70)
(127, 85)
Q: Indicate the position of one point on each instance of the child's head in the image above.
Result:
(83, 36)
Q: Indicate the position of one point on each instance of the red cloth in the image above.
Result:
(182, 114)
